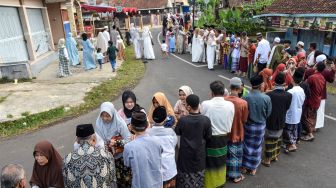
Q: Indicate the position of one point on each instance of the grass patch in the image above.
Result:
(10, 116)
(2, 99)
(331, 89)
(128, 75)
(6, 80)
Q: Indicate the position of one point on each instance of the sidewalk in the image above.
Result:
(47, 92)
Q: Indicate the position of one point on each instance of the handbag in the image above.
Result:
(118, 148)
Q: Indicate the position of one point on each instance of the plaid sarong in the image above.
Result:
(234, 159)
(272, 148)
(253, 141)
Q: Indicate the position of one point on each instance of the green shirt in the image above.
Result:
(111, 52)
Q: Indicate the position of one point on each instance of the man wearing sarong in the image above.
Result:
(316, 83)
(294, 112)
(221, 113)
(260, 108)
(329, 76)
(281, 101)
(236, 137)
(194, 131)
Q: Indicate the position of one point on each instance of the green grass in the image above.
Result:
(2, 99)
(10, 116)
(128, 75)
(5, 80)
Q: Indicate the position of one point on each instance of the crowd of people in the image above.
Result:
(109, 46)
(192, 144)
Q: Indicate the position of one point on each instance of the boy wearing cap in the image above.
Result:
(143, 155)
(168, 141)
(88, 162)
(194, 131)
(299, 47)
(294, 113)
(236, 136)
(260, 107)
(281, 100)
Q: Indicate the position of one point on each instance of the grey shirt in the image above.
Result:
(143, 155)
(259, 106)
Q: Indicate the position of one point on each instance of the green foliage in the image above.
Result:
(257, 7)
(10, 116)
(25, 114)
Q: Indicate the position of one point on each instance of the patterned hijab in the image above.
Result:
(105, 130)
(49, 175)
(163, 101)
(186, 89)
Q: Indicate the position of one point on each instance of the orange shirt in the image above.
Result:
(240, 118)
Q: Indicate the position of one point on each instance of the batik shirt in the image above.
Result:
(89, 167)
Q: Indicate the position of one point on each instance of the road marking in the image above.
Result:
(198, 66)
(226, 78)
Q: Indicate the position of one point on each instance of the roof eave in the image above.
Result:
(296, 15)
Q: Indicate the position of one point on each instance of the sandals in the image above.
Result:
(307, 138)
(237, 180)
(248, 172)
(266, 164)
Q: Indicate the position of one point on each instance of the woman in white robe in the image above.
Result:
(147, 41)
(211, 49)
(135, 38)
(195, 47)
(101, 42)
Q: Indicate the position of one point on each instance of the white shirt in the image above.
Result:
(263, 49)
(294, 112)
(220, 112)
(99, 55)
(311, 58)
(106, 35)
(164, 47)
(168, 143)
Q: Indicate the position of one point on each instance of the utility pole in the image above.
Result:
(193, 23)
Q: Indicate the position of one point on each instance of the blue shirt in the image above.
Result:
(259, 106)
(143, 155)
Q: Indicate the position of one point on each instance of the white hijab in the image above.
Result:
(106, 131)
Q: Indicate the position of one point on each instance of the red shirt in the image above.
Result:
(251, 53)
(240, 118)
(329, 76)
(317, 83)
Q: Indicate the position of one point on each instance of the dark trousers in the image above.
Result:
(261, 66)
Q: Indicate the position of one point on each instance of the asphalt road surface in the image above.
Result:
(313, 165)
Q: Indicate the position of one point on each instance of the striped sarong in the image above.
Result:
(252, 147)
(234, 159)
(215, 172)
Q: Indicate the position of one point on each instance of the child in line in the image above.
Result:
(143, 154)
(164, 49)
(172, 43)
(99, 57)
(168, 141)
(111, 52)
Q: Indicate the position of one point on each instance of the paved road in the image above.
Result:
(314, 165)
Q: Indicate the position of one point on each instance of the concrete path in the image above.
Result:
(48, 91)
(312, 166)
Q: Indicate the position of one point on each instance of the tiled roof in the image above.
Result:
(301, 7)
(140, 4)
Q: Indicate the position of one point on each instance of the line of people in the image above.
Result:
(221, 138)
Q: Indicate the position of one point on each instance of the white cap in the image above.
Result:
(277, 39)
(321, 58)
(105, 27)
(300, 43)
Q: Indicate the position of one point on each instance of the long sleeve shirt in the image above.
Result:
(259, 106)
(328, 74)
(294, 112)
(317, 83)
